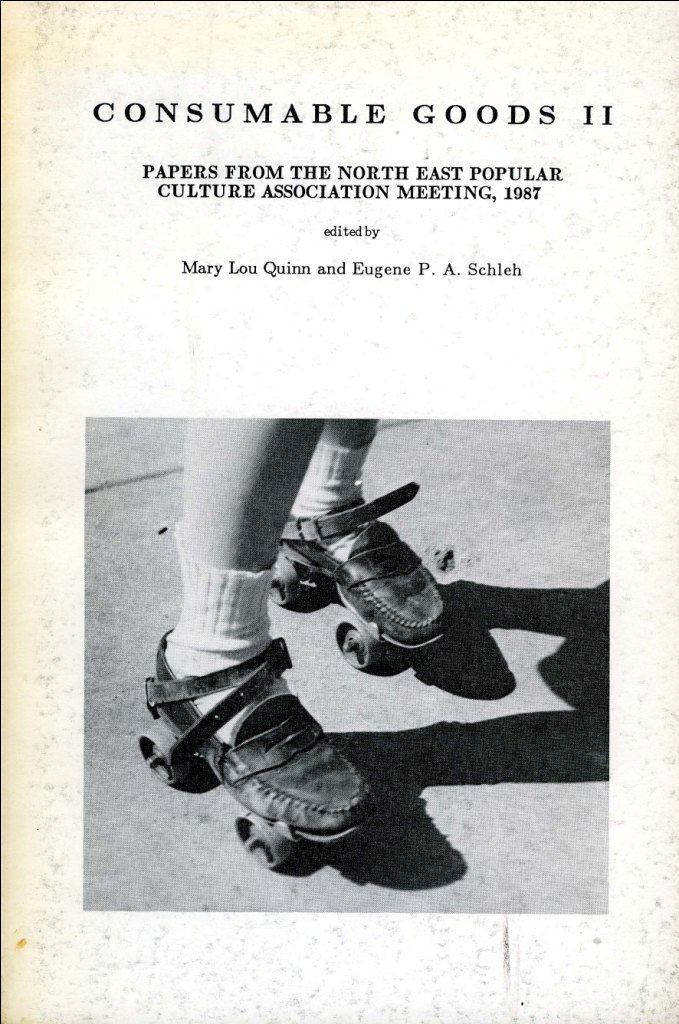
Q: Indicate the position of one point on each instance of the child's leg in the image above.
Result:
(376, 573)
(240, 479)
(333, 479)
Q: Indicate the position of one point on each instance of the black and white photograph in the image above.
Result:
(377, 666)
(339, 512)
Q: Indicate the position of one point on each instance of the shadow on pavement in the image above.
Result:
(403, 849)
(469, 663)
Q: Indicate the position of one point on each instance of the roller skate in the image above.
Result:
(394, 603)
(294, 786)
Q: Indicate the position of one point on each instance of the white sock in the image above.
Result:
(332, 480)
(224, 622)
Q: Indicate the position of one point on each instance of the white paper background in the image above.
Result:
(101, 322)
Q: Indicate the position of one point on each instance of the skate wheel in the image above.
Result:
(270, 843)
(155, 753)
(285, 584)
(359, 647)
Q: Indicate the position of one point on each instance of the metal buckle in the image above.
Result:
(152, 707)
(308, 530)
(282, 653)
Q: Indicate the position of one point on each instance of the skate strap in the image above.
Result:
(297, 732)
(250, 677)
(330, 525)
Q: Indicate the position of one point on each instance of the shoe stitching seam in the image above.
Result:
(388, 612)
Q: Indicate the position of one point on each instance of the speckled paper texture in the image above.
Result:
(527, 372)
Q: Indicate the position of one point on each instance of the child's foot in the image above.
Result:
(375, 572)
(279, 763)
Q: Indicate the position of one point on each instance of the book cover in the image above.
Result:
(455, 219)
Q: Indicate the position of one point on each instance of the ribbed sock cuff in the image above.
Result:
(224, 619)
